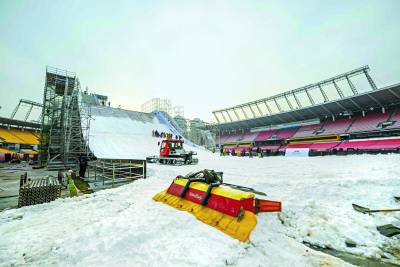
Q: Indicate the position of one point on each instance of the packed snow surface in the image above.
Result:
(123, 134)
(125, 227)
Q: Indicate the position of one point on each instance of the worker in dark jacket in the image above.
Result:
(258, 151)
(83, 161)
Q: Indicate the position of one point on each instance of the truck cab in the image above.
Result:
(170, 147)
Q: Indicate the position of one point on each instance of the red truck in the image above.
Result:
(173, 153)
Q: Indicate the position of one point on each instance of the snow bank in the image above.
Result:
(125, 227)
(317, 194)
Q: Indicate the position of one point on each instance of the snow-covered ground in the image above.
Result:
(125, 227)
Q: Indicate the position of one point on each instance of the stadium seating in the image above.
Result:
(371, 144)
(15, 136)
(372, 121)
(222, 139)
(286, 133)
(7, 137)
(26, 136)
(234, 137)
(336, 127)
(368, 123)
(264, 135)
(248, 137)
(396, 119)
(307, 130)
(378, 144)
(298, 145)
(5, 154)
(315, 146)
(324, 146)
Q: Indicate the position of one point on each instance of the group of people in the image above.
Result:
(105, 103)
(242, 151)
(155, 133)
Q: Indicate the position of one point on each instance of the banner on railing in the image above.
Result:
(297, 152)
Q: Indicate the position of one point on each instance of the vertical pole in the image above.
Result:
(297, 100)
(323, 93)
(310, 97)
(371, 82)
(88, 171)
(259, 110)
(236, 114)
(269, 109)
(15, 110)
(223, 116)
(244, 112)
(103, 172)
(64, 122)
(277, 105)
(113, 173)
(352, 87)
(41, 116)
(289, 103)
(145, 169)
(338, 89)
(28, 113)
(252, 111)
(229, 115)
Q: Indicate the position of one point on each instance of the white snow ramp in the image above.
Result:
(122, 134)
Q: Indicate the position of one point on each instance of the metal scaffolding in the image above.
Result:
(31, 105)
(116, 171)
(77, 128)
(62, 134)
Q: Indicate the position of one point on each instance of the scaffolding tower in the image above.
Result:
(77, 128)
(62, 138)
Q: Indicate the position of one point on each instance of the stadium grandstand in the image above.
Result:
(19, 139)
(344, 114)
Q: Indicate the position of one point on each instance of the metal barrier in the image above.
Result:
(116, 170)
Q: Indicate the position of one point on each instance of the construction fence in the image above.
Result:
(116, 170)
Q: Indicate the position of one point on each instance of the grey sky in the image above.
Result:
(205, 55)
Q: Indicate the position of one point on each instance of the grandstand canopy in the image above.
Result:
(270, 111)
(6, 122)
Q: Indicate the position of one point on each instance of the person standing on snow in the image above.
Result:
(83, 161)
(258, 151)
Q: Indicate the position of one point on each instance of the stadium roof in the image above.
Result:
(356, 102)
(18, 123)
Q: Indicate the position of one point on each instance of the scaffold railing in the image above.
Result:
(116, 170)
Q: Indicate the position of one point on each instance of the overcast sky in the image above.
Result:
(204, 55)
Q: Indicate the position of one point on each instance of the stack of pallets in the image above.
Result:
(39, 191)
